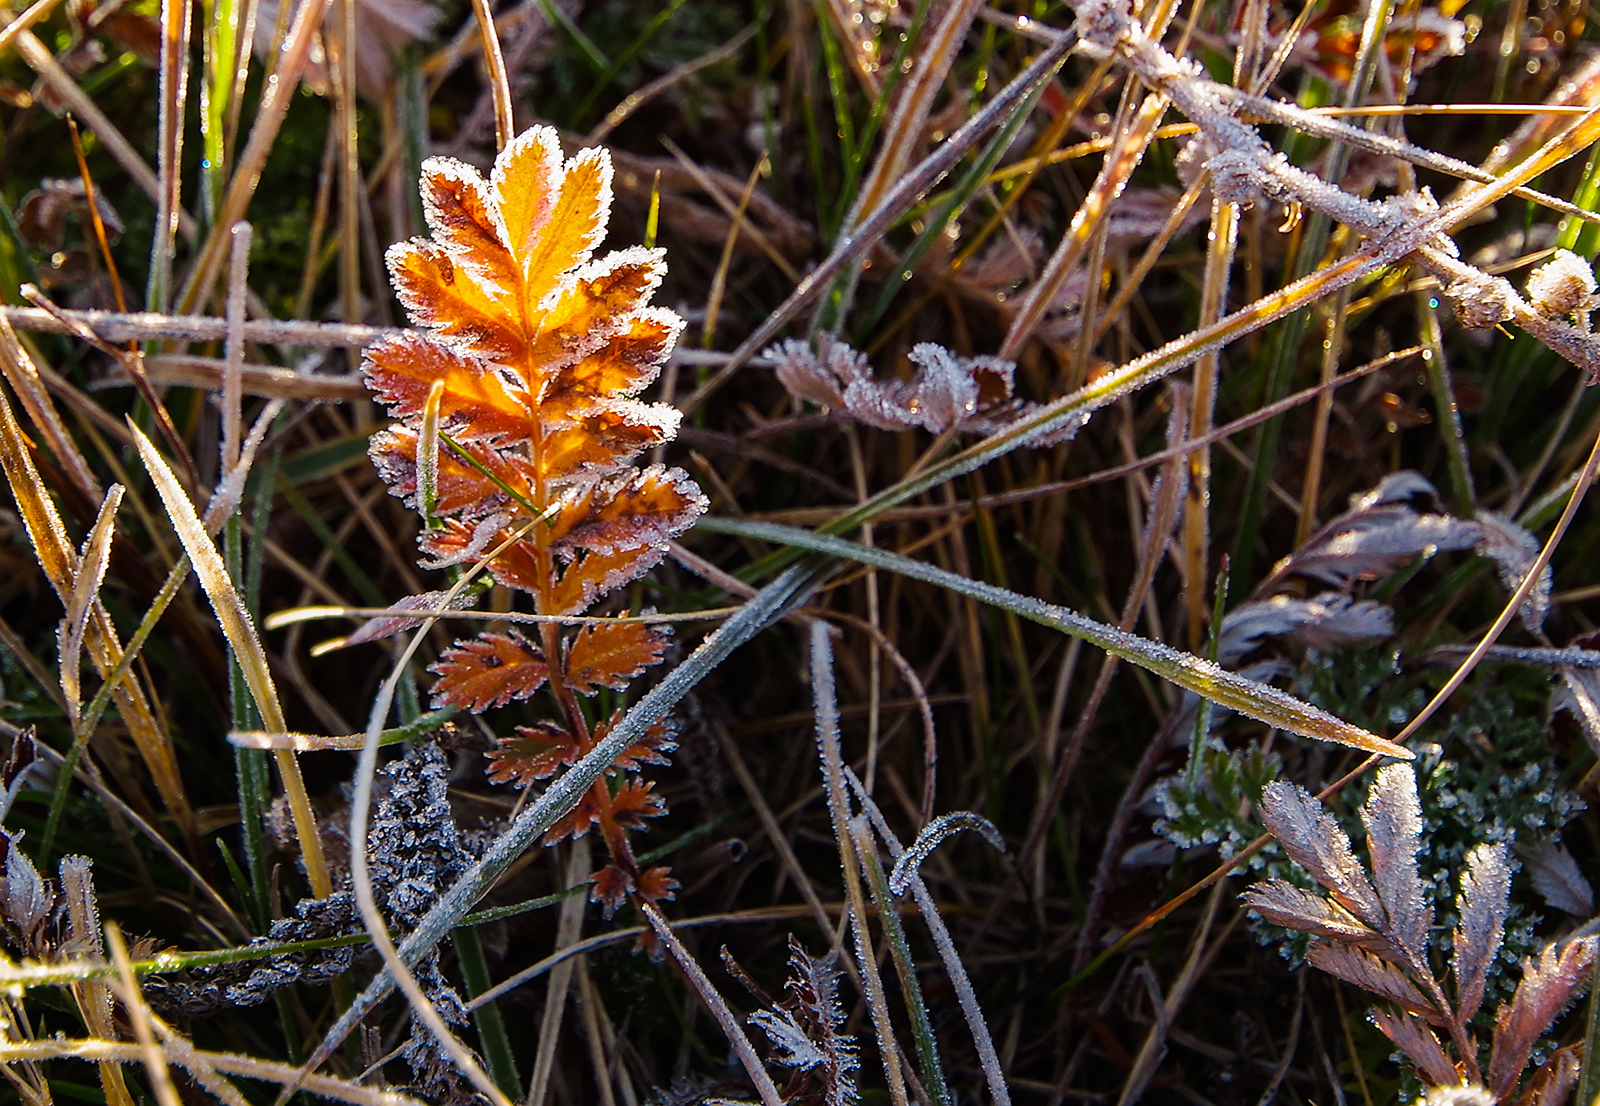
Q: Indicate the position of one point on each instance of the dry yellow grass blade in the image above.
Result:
(241, 635)
(85, 593)
(60, 563)
(23, 376)
(116, 1052)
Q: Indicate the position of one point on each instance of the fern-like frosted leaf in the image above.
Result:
(1484, 900)
(1413, 1037)
(477, 402)
(1284, 904)
(1393, 818)
(534, 753)
(631, 511)
(488, 671)
(1370, 973)
(1314, 840)
(1549, 985)
(611, 655)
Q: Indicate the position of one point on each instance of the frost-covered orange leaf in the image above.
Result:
(626, 512)
(488, 671)
(477, 403)
(609, 655)
(455, 201)
(594, 574)
(462, 489)
(448, 302)
(629, 360)
(576, 221)
(611, 888)
(524, 184)
(604, 436)
(534, 753)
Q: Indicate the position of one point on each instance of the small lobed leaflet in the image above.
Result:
(518, 426)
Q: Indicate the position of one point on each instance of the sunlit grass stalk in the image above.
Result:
(245, 646)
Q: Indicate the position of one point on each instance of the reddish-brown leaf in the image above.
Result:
(630, 511)
(535, 753)
(1413, 1037)
(1393, 817)
(611, 889)
(649, 749)
(1549, 984)
(1284, 904)
(1368, 972)
(609, 655)
(1314, 840)
(488, 671)
(1483, 903)
(477, 401)
(635, 801)
(657, 884)
(576, 822)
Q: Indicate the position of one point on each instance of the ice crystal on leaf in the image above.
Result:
(518, 425)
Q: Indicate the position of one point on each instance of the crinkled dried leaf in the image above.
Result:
(1557, 877)
(1313, 839)
(1284, 904)
(791, 1048)
(1370, 973)
(535, 753)
(1549, 984)
(1483, 903)
(488, 671)
(1413, 1037)
(1329, 621)
(609, 655)
(1393, 817)
(1514, 552)
(25, 899)
(1580, 694)
(389, 625)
